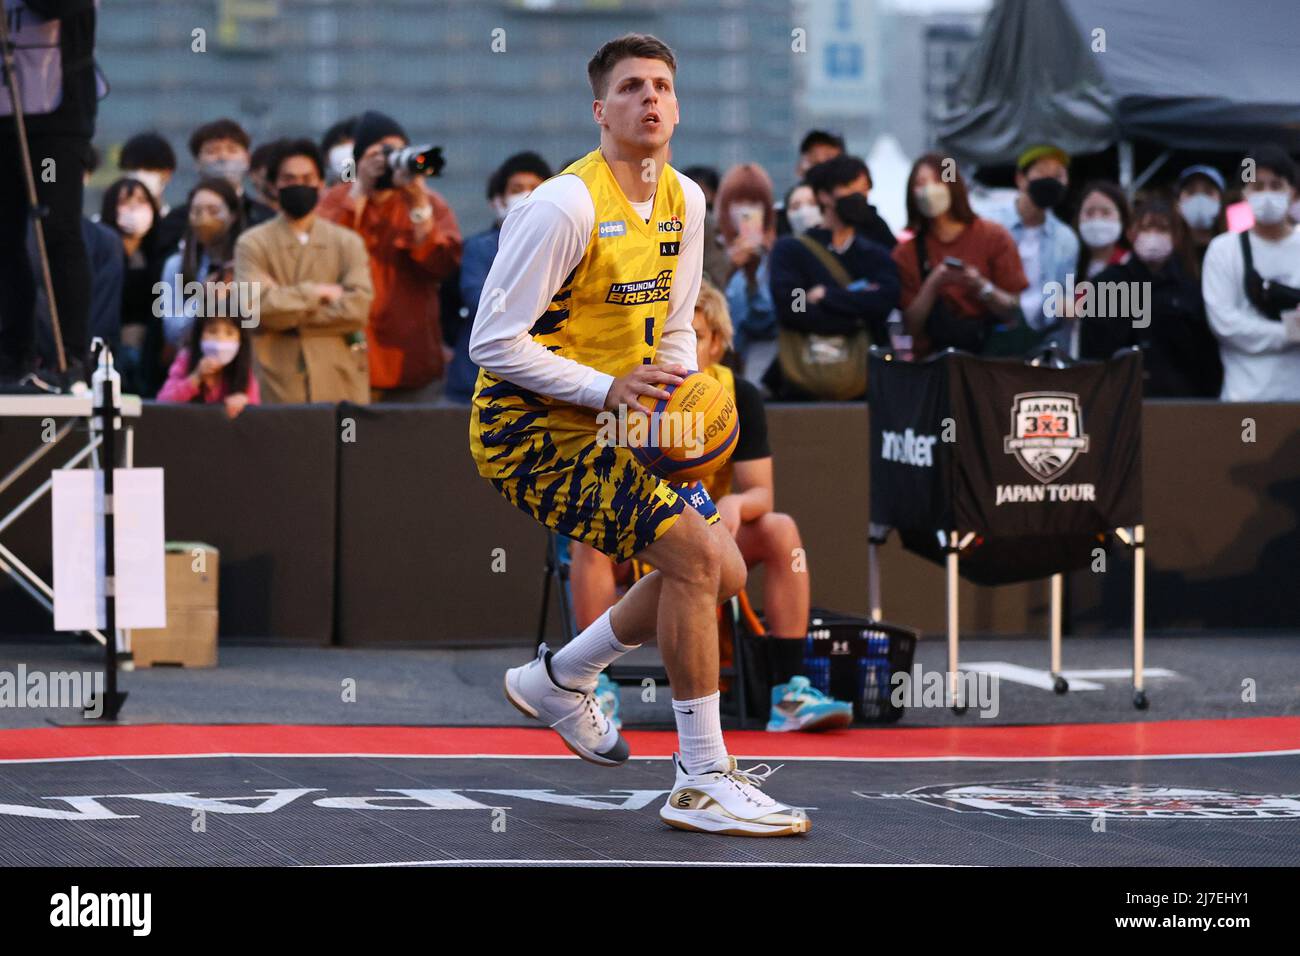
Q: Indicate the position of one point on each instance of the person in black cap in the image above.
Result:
(1251, 284)
(1200, 203)
(414, 244)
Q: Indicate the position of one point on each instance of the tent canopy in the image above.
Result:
(1187, 74)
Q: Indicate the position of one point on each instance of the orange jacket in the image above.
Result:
(405, 330)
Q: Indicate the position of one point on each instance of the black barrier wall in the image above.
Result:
(423, 552)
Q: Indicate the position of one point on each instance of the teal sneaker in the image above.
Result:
(800, 706)
(607, 697)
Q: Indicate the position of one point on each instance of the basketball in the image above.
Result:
(692, 433)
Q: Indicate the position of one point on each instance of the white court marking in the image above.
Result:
(1043, 680)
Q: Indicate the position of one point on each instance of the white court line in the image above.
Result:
(1043, 680)
(601, 860)
(962, 758)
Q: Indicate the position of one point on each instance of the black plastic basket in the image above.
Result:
(855, 659)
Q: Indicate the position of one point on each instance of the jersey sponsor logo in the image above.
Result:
(672, 225)
(611, 228)
(1047, 434)
(669, 248)
(642, 291)
(1055, 799)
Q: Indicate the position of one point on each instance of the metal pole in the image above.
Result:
(873, 580)
(959, 706)
(1059, 683)
(1139, 615)
(106, 413)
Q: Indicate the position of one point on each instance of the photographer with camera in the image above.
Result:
(414, 243)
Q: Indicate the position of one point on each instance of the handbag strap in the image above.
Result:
(833, 266)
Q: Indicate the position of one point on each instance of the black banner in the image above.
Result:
(1040, 463)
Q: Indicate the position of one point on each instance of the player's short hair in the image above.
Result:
(712, 304)
(626, 47)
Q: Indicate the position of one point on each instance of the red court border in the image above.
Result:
(1150, 738)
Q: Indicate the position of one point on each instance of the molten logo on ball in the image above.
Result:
(685, 437)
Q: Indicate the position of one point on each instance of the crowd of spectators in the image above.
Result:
(367, 290)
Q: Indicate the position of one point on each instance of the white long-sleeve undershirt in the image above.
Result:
(543, 240)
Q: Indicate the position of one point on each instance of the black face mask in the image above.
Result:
(1046, 192)
(297, 201)
(853, 209)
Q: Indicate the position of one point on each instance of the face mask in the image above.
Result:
(1153, 246)
(804, 218)
(1098, 233)
(499, 207)
(933, 200)
(152, 180)
(340, 159)
(232, 171)
(1269, 207)
(297, 201)
(853, 209)
(135, 220)
(223, 351)
(515, 199)
(1046, 192)
(1199, 210)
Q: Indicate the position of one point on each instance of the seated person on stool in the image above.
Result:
(743, 492)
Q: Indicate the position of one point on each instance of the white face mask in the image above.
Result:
(135, 220)
(223, 351)
(1199, 210)
(1153, 246)
(933, 200)
(340, 159)
(515, 199)
(1269, 207)
(152, 180)
(1097, 233)
(804, 218)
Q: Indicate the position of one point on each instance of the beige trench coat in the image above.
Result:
(302, 348)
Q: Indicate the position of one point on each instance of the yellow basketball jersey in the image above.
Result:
(608, 315)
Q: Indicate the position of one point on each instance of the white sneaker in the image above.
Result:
(726, 800)
(573, 714)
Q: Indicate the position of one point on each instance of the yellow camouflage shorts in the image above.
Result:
(601, 495)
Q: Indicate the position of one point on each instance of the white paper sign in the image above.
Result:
(78, 546)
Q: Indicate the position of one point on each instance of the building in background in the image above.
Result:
(481, 78)
(880, 72)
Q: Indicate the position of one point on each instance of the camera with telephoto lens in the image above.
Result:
(425, 160)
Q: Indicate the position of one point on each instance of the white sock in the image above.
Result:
(699, 732)
(578, 663)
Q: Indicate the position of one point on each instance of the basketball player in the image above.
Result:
(587, 307)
